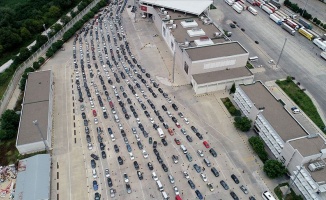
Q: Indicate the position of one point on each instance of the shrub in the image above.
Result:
(41, 60)
(274, 169)
(242, 123)
(324, 26)
(318, 22)
(36, 65)
(314, 20)
(257, 145)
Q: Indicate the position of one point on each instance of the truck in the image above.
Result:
(277, 20)
(276, 3)
(266, 9)
(229, 2)
(282, 16)
(323, 55)
(272, 6)
(160, 133)
(237, 7)
(252, 10)
(292, 24)
(288, 28)
(305, 23)
(244, 6)
(320, 43)
(305, 33)
(290, 13)
(252, 2)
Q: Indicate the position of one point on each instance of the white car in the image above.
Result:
(107, 173)
(168, 113)
(132, 157)
(186, 175)
(125, 176)
(152, 121)
(176, 191)
(92, 104)
(186, 120)
(113, 111)
(200, 153)
(138, 120)
(90, 146)
(145, 154)
(95, 120)
(203, 176)
(120, 126)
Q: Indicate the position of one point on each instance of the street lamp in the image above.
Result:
(35, 122)
(46, 32)
(281, 52)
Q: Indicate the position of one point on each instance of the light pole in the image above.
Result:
(278, 60)
(35, 122)
(46, 32)
(295, 177)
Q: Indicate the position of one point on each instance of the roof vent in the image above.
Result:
(316, 166)
(261, 108)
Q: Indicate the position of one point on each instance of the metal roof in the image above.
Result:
(193, 6)
(33, 179)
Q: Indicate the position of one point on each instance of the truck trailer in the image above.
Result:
(277, 20)
(292, 24)
(288, 28)
(266, 9)
(229, 2)
(305, 33)
(252, 10)
(305, 23)
(238, 8)
(320, 43)
(290, 13)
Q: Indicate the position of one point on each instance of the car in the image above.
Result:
(178, 125)
(168, 113)
(183, 131)
(95, 157)
(112, 192)
(146, 113)
(194, 129)
(165, 125)
(95, 120)
(210, 187)
(116, 148)
(140, 145)
(132, 157)
(189, 138)
(107, 172)
(199, 195)
(186, 175)
(94, 113)
(206, 144)
(232, 25)
(93, 163)
(189, 157)
(252, 198)
(180, 114)
(97, 196)
(165, 168)
(200, 136)
(215, 172)
(136, 165)
(85, 122)
(128, 188)
(90, 146)
(235, 178)
(164, 108)
(151, 120)
(83, 115)
(145, 154)
(186, 120)
(224, 185)
(103, 154)
(177, 141)
(200, 153)
(150, 140)
(175, 159)
(159, 159)
(110, 184)
(128, 147)
(197, 168)
(213, 152)
(95, 185)
(191, 184)
(165, 143)
(295, 110)
(120, 160)
(155, 126)
(140, 175)
(125, 177)
(154, 144)
(234, 196)
(244, 189)
(161, 118)
(171, 132)
(150, 166)
(175, 107)
(176, 191)
(203, 177)
(160, 90)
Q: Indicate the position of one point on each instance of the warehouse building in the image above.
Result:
(198, 46)
(35, 124)
(301, 152)
(33, 178)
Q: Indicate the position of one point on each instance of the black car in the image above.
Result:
(213, 152)
(155, 85)
(135, 114)
(85, 122)
(165, 95)
(136, 165)
(189, 138)
(102, 146)
(93, 163)
(156, 152)
(165, 168)
(215, 172)
(83, 115)
(154, 95)
(224, 185)
(127, 116)
(146, 113)
(150, 166)
(143, 106)
(154, 144)
(129, 101)
(166, 126)
(116, 148)
(124, 95)
(120, 160)
(88, 139)
(155, 126)
(174, 120)
(165, 143)
(234, 196)
(194, 129)
(161, 118)
(192, 185)
(199, 195)
(103, 154)
(159, 159)
(235, 179)
(200, 136)
(105, 115)
(140, 146)
(95, 157)
(145, 134)
(148, 75)
(160, 90)
(175, 107)
(110, 182)
(252, 198)
(140, 175)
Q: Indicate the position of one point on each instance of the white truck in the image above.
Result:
(277, 20)
(323, 55)
(252, 10)
(266, 9)
(229, 2)
(288, 28)
(237, 7)
(160, 132)
(320, 43)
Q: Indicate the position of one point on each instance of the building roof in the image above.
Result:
(215, 51)
(274, 112)
(318, 175)
(308, 146)
(35, 107)
(195, 7)
(33, 178)
(214, 76)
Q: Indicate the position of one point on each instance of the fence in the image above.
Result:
(34, 57)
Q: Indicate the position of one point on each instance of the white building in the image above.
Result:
(199, 47)
(301, 152)
(37, 105)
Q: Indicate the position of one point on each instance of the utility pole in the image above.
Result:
(281, 52)
(47, 35)
(295, 177)
(35, 122)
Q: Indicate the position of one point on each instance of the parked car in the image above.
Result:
(215, 172)
(175, 159)
(244, 189)
(150, 166)
(199, 195)
(235, 179)
(224, 185)
(192, 185)
(234, 196)
(213, 152)
(197, 168)
(206, 144)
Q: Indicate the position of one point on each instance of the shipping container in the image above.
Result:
(292, 24)
(282, 16)
(270, 7)
(288, 28)
(252, 10)
(305, 23)
(320, 44)
(305, 33)
(277, 20)
(266, 9)
(244, 6)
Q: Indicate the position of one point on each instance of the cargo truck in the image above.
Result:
(266, 9)
(160, 132)
(277, 20)
(292, 24)
(237, 8)
(229, 2)
(252, 2)
(288, 28)
(323, 55)
(244, 6)
(282, 16)
(271, 5)
(320, 43)
(305, 33)
(305, 23)
(252, 10)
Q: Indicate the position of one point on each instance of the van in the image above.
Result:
(116, 118)
(94, 173)
(171, 178)
(112, 137)
(253, 59)
(184, 149)
(206, 161)
(165, 196)
(154, 176)
(137, 137)
(159, 186)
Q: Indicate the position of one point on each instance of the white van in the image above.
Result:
(94, 173)
(159, 186)
(184, 149)
(254, 58)
(137, 137)
(154, 176)
(165, 196)
(116, 118)
(112, 137)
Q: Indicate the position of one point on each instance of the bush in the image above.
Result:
(318, 22)
(41, 60)
(257, 145)
(274, 169)
(242, 123)
(314, 20)
(36, 65)
(324, 26)
(9, 124)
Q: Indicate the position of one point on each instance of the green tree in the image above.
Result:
(22, 84)
(318, 22)
(41, 60)
(54, 12)
(1, 48)
(25, 34)
(9, 124)
(314, 20)
(232, 90)
(65, 19)
(56, 27)
(258, 146)
(324, 26)
(242, 123)
(36, 65)
(24, 53)
(274, 169)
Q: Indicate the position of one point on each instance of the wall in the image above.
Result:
(31, 148)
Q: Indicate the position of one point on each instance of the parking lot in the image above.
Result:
(109, 87)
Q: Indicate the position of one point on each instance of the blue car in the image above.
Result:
(95, 186)
(199, 195)
(197, 168)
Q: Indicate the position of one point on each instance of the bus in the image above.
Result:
(267, 196)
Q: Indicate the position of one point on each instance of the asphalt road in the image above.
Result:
(300, 57)
(314, 7)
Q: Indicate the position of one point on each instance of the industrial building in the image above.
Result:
(35, 124)
(200, 49)
(33, 178)
(301, 152)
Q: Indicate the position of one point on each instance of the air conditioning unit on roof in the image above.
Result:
(162, 9)
(165, 12)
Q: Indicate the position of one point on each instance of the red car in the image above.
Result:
(178, 125)
(206, 144)
(170, 131)
(177, 141)
(94, 113)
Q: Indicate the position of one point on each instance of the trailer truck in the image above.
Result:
(292, 24)
(305, 33)
(277, 20)
(305, 23)
(252, 10)
(288, 28)
(290, 13)
(238, 8)
(229, 2)
(320, 43)
(266, 9)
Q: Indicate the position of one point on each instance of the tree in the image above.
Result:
(65, 19)
(9, 124)
(324, 26)
(232, 90)
(41, 60)
(56, 27)
(24, 54)
(36, 65)
(242, 123)
(274, 169)
(25, 34)
(314, 20)
(54, 12)
(258, 146)
(22, 84)
(318, 22)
